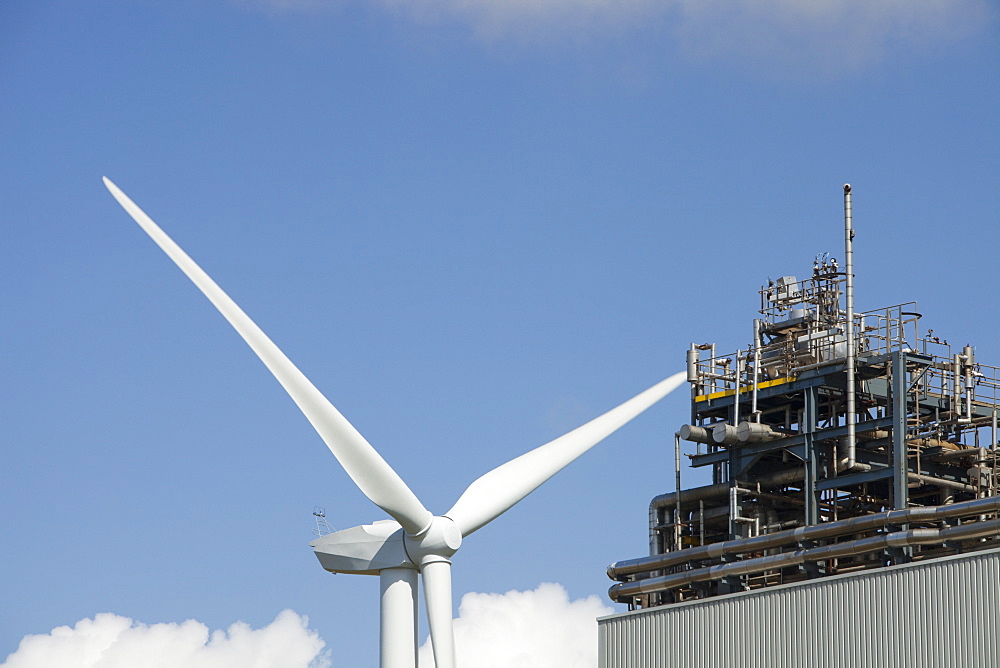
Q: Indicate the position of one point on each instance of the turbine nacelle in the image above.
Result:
(364, 550)
(372, 548)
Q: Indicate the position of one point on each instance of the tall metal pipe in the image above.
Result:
(692, 364)
(736, 397)
(655, 537)
(851, 348)
(677, 473)
(993, 439)
(993, 449)
(756, 369)
(733, 511)
(956, 386)
(713, 365)
(969, 356)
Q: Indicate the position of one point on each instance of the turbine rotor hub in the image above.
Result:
(437, 542)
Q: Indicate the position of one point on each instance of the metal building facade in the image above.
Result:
(937, 613)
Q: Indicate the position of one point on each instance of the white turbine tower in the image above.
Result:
(414, 541)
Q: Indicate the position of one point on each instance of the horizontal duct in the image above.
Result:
(919, 514)
(623, 592)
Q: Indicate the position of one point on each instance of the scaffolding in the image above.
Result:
(837, 441)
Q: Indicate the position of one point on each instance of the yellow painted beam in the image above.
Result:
(743, 390)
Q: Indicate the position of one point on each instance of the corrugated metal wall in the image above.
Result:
(935, 614)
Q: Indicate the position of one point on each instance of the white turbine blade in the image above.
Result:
(363, 464)
(494, 493)
(437, 595)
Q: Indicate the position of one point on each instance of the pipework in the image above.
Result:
(830, 414)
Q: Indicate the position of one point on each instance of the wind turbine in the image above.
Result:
(414, 541)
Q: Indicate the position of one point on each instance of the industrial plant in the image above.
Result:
(852, 516)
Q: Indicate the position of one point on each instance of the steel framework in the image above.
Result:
(828, 421)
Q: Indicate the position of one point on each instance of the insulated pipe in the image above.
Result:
(721, 490)
(724, 434)
(692, 364)
(969, 356)
(725, 378)
(712, 364)
(969, 530)
(677, 473)
(695, 434)
(844, 459)
(978, 453)
(956, 386)
(756, 432)
(993, 449)
(734, 513)
(626, 590)
(655, 537)
(993, 443)
(917, 514)
(851, 348)
(786, 477)
(951, 446)
(940, 482)
(736, 397)
(659, 504)
(701, 522)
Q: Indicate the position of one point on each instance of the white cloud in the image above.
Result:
(828, 34)
(832, 34)
(540, 628)
(112, 641)
(534, 19)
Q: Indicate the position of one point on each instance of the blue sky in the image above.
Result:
(473, 225)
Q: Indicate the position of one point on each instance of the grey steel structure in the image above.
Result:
(839, 442)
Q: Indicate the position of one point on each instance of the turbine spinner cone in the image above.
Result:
(438, 542)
